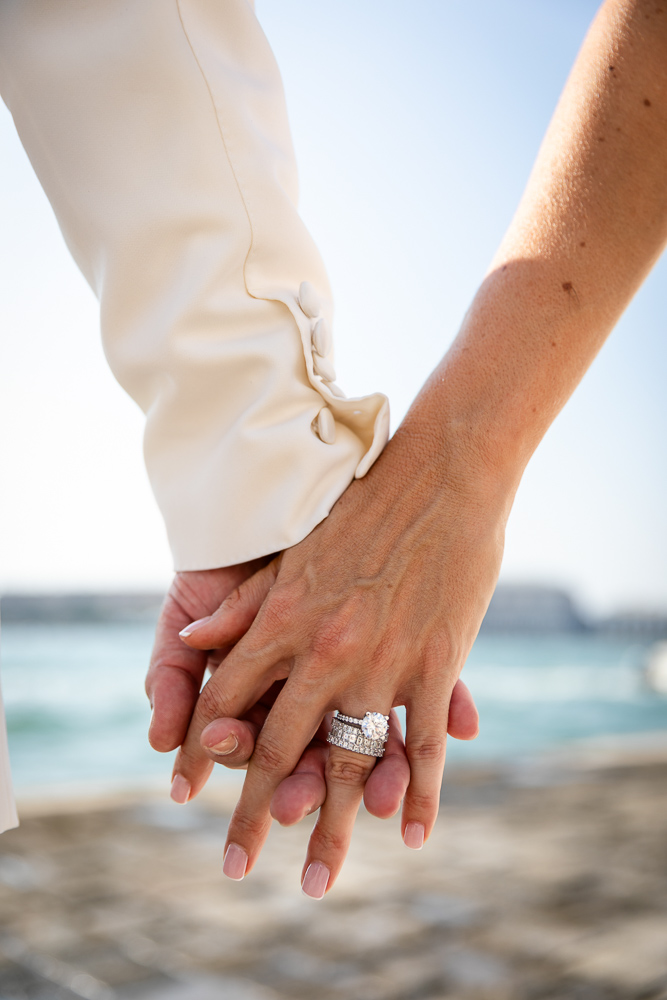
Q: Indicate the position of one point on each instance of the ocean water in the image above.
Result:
(77, 712)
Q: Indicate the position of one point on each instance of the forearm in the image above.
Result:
(591, 224)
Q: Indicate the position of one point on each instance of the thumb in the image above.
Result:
(236, 613)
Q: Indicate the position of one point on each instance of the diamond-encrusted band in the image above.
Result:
(374, 725)
(347, 718)
(356, 722)
(349, 736)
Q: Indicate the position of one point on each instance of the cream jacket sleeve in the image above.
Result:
(159, 132)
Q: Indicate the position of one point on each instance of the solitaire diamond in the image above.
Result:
(374, 726)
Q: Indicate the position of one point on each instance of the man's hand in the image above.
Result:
(176, 673)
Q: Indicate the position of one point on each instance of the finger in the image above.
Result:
(346, 774)
(175, 672)
(389, 779)
(230, 741)
(235, 615)
(228, 694)
(173, 680)
(425, 743)
(463, 718)
(303, 791)
(286, 732)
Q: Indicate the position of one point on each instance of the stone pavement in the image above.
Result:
(550, 884)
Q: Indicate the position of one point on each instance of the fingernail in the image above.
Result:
(316, 880)
(189, 629)
(180, 789)
(226, 746)
(235, 863)
(414, 836)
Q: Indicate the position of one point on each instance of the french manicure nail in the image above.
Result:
(180, 789)
(235, 863)
(316, 880)
(189, 629)
(414, 836)
(226, 746)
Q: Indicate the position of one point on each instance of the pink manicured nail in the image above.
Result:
(226, 746)
(235, 863)
(316, 880)
(414, 836)
(189, 629)
(180, 789)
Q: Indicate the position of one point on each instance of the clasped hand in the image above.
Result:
(377, 607)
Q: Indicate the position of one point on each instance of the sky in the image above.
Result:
(415, 127)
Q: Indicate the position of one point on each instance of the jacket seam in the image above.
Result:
(222, 139)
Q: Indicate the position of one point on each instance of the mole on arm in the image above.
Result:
(568, 287)
(647, 102)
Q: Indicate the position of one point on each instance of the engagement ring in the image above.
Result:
(367, 735)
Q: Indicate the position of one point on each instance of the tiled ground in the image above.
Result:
(524, 892)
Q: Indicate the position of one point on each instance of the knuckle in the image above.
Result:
(346, 771)
(421, 804)
(247, 829)
(328, 843)
(232, 601)
(277, 612)
(336, 639)
(269, 756)
(210, 704)
(426, 751)
(441, 651)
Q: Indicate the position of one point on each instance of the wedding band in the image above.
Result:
(374, 725)
(367, 735)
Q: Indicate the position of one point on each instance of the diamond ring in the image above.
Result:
(373, 725)
(367, 735)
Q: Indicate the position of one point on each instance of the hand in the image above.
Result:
(175, 676)
(176, 673)
(232, 742)
(377, 607)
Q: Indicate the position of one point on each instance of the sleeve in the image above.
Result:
(159, 133)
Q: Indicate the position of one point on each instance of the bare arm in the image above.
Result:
(591, 224)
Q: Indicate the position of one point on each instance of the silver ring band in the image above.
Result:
(351, 738)
(356, 722)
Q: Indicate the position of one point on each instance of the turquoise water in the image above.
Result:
(77, 712)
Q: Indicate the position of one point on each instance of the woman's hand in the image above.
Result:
(380, 604)
(378, 607)
(176, 674)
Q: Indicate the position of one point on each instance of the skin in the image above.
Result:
(175, 677)
(380, 605)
